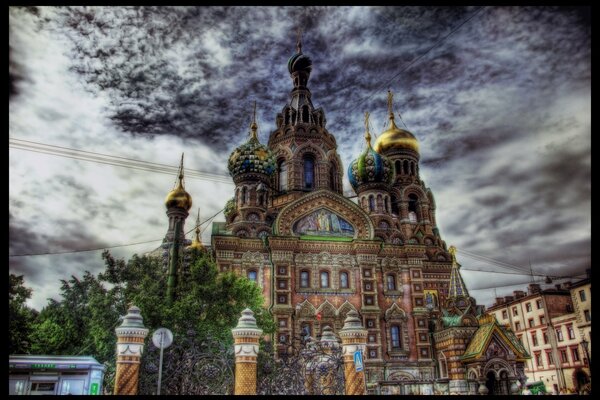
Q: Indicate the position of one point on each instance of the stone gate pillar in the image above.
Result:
(354, 337)
(245, 337)
(130, 345)
(326, 365)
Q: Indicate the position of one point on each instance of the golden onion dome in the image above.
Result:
(178, 197)
(394, 137)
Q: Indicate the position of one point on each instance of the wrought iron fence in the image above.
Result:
(315, 369)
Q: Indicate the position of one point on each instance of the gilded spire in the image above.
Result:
(457, 285)
(367, 133)
(254, 126)
(196, 242)
(181, 172)
(391, 109)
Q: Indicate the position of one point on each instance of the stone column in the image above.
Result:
(354, 337)
(130, 345)
(245, 336)
(326, 364)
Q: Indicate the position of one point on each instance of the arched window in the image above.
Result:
(412, 207)
(395, 336)
(309, 172)
(283, 175)
(391, 282)
(412, 168)
(305, 330)
(324, 279)
(443, 366)
(395, 209)
(398, 166)
(406, 167)
(371, 203)
(386, 202)
(333, 176)
(305, 114)
(379, 203)
(252, 275)
(304, 279)
(364, 202)
(244, 194)
(344, 280)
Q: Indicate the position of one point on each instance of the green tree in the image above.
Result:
(208, 303)
(20, 316)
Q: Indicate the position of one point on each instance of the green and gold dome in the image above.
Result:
(252, 156)
(370, 166)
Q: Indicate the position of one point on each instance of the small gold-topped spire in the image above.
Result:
(452, 251)
(181, 171)
(196, 242)
(178, 197)
(390, 107)
(254, 125)
(367, 133)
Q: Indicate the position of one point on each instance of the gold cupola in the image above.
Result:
(178, 197)
(196, 242)
(394, 137)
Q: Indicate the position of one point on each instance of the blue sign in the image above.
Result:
(358, 360)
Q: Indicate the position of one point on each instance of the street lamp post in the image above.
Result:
(585, 344)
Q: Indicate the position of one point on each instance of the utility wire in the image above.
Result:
(108, 247)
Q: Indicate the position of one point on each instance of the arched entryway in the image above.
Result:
(497, 385)
(580, 379)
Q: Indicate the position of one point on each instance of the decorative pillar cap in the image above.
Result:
(247, 320)
(328, 338)
(133, 319)
(352, 321)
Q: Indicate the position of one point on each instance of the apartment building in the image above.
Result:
(546, 324)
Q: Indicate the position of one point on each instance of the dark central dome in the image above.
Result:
(299, 62)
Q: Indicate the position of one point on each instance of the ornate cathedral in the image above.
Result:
(317, 254)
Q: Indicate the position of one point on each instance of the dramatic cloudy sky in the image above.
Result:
(499, 98)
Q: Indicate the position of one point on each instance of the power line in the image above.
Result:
(522, 283)
(417, 59)
(108, 247)
(108, 159)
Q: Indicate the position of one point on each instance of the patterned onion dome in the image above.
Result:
(370, 166)
(252, 156)
(394, 137)
(178, 197)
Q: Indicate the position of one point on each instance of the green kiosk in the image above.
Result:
(56, 375)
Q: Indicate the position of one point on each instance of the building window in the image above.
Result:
(424, 352)
(520, 337)
(282, 283)
(282, 322)
(528, 307)
(368, 286)
(443, 366)
(575, 354)
(324, 279)
(333, 175)
(534, 338)
(550, 358)
(564, 358)
(542, 320)
(395, 336)
(309, 172)
(344, 280)
(559, 335)
(391, 282)
(539, 304)
(517, 326)
(282, 299)
(418, 301)
(306, 330)
(304, 279)
(538, 359)
(570, 332)
(367, 273)
(587, 315)
(372, 353)
(504, 314)
(282, 270)
(371, 203)
(416, 274)
(412, 207)
(282, 338)
(372, 338)
(422, 337)
(252, 275)
(514, 309)
(582, 295)
(417, 287)
(545, 336)
(370, 323)
(283, 175)
(369, 300)
(531, 323)
(421, 323)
